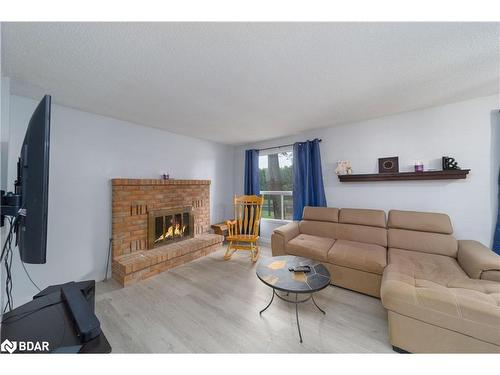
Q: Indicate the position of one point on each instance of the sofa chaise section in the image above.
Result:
(433, 290)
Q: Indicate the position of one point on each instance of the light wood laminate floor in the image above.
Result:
(212, 306)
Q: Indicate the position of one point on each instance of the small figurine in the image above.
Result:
(449, 163)
(343, 167)
(165, 176)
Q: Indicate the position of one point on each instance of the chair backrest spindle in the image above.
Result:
(247, 214)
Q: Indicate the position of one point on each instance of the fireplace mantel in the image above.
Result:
(148, 182)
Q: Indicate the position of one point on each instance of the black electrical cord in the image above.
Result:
(8, 282)
(7, 257)
(8, 240)
(107, 260)
(29, 277)
(11, 304)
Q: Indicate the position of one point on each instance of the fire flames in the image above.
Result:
(172, 232)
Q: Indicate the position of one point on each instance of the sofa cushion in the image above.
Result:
(330, 214)
(470, 307)
(439, 269)
(362, 233)
(426, 242)
(373, 218)
(313, 247)
(420, 221)
(358, 255)
(318, 228)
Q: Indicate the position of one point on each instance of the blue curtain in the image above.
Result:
(308, 189)
(496, 241)
(252, 185)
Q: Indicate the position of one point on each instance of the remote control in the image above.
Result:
(300, 269)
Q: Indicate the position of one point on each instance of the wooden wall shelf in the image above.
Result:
(406, 176)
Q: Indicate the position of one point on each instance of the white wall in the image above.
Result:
(88, 150)
(461, 130)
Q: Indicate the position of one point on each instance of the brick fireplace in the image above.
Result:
(159, 224)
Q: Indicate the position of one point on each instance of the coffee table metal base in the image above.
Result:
(296, 302)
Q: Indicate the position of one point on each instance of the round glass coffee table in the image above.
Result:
(274, 272)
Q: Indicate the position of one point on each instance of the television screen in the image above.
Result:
(33, 185)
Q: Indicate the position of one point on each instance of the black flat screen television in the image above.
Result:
(33, 186)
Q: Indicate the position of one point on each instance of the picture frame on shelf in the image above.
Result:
(388, 165)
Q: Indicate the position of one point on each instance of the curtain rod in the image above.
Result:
(281, 146)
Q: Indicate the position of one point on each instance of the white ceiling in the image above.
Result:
(243, 82)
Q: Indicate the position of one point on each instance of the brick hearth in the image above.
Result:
(133, 199)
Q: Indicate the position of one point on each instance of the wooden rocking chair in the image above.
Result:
(243, 231)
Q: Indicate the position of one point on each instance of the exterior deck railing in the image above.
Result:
(285, 205)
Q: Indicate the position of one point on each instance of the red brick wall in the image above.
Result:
(134, 198)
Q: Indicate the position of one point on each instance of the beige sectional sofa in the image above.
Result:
(442, 295)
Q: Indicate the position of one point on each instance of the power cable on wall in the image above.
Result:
(107, 260)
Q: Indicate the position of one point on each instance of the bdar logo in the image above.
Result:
(8, 346)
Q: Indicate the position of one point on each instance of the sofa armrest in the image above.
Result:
(475, 258)
(491, 276)
(281, 236)
(288, 231)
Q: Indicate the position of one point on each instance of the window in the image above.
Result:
(276, 185)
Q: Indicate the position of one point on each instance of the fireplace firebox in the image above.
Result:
(170, 225)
